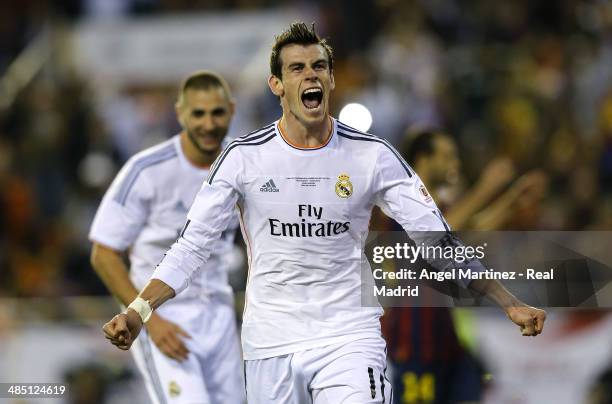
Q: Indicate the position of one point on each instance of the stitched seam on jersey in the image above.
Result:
(151, 369)
(148, 161)
(258, 130)
(249, 254)
(229, 148)
(238, 141)
(357, 132)
(381, 141)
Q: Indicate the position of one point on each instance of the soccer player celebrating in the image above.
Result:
(305, 186)
(190, 352)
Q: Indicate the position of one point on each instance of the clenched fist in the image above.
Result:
(529, 319)
(123, 329)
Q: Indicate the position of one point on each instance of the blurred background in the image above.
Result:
(523, 89)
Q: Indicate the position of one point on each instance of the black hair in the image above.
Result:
(419, 143)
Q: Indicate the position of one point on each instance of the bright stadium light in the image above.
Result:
(357, 116)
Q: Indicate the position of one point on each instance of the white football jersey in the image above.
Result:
(304, 215)
(145, 209)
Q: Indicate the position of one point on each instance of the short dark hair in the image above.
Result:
(203, 80)
(297, 33)
(419, 143)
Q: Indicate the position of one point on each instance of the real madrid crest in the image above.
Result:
(425, 194)
(344, 186)
(174, 389)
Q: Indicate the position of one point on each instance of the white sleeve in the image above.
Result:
(400, 194)
(124, 209)
(211, 213)
(229, 234)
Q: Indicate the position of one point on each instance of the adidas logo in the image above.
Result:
(269, 186)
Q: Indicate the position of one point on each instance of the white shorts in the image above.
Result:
(213, 371)
(346, 373)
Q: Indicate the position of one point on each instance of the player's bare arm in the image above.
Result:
(496, 175)
(529, 319)
(529, 186)
(112, 270)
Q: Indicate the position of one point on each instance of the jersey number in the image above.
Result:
(418, 389)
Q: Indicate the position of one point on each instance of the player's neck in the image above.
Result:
(307, 136)
(194, 156)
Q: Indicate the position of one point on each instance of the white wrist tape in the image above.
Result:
(142, 307)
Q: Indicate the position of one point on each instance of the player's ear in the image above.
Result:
(232, 106)
(179, 113)
(276, 85)
(333, 82)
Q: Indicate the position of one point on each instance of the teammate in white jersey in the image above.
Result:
(191, 352)
(305, 186)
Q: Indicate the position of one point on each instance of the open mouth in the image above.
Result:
(312, 97)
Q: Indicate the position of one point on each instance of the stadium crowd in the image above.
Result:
(526, 80)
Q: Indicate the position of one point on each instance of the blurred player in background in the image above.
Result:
(429, 364)
(305, 185)
(490, 203)
(190, 351)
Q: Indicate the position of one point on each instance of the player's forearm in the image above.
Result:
(495, 291)
(156, 293)
(111, 268)
(497, 213)
(464, 209)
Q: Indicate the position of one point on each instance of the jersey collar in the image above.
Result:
(298, 147)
